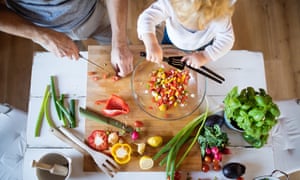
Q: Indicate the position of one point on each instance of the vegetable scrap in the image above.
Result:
(168, 88)
(114, 106)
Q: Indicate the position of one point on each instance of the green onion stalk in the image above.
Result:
(172, 148)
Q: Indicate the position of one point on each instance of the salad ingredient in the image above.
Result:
(155, 141)
(113, 138)
(168, 87)
(141, 148)
(53, 92)
(234, 170)
(205, 167)
(184, 136)
(47, 111)
(121, 153)
(41, 114)
(106, 120)
(114, 106)
(134, 135)
(146, 162)
(207, 159)
(212, 138)
(67, 114)
(138, 124)
(214, 119)
(98, 140)
(253, 111)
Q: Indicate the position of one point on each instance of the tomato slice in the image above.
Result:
(98, 140)
(114, 106)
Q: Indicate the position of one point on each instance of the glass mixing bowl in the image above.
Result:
(196, 89)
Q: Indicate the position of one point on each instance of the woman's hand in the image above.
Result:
(196, 59)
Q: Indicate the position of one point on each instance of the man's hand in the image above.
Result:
(58, 43)
(122, 60)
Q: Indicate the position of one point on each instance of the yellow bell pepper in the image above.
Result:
(121, 153)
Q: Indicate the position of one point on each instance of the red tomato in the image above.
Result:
(217, 167)
(240, 178)
(207, 159)
(138, 124)
(98, 140)
(205, 167)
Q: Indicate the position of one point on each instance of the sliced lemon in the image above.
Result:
(146, 162)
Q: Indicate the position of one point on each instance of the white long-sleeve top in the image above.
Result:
(221, 31)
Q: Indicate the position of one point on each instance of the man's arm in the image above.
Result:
(53, 41)
(121, 57)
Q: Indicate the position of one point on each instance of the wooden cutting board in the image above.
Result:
(103, 88)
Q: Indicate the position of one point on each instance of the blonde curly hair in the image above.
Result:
(201, 12)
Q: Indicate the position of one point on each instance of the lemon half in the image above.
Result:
(146, 162)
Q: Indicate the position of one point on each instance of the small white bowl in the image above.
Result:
(54, 158)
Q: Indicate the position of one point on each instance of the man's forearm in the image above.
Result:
(117, 10)
(13, 24)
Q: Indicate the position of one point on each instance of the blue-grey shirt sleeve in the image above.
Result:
(60, 15)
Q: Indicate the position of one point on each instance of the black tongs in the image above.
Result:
(176, 62)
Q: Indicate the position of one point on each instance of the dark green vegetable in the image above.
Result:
(253, 111)
(73, 110)
(53, 92)
(41, 114)
(63, 117)
(106, 120)
(66, 113)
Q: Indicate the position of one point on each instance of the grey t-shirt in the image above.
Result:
(60, 15)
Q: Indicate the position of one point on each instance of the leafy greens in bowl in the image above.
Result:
(253, 111)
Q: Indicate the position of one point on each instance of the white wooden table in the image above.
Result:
(241, 68)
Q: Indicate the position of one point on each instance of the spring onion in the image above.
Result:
(41, 114)
(172, 148)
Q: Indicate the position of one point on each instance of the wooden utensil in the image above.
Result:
(104, 162)
(53, 169)
(65, 139)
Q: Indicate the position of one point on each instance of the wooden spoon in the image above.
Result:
(53, 169)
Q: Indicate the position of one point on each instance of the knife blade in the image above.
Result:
(91, 62)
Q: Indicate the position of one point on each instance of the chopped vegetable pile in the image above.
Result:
(168, 88)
